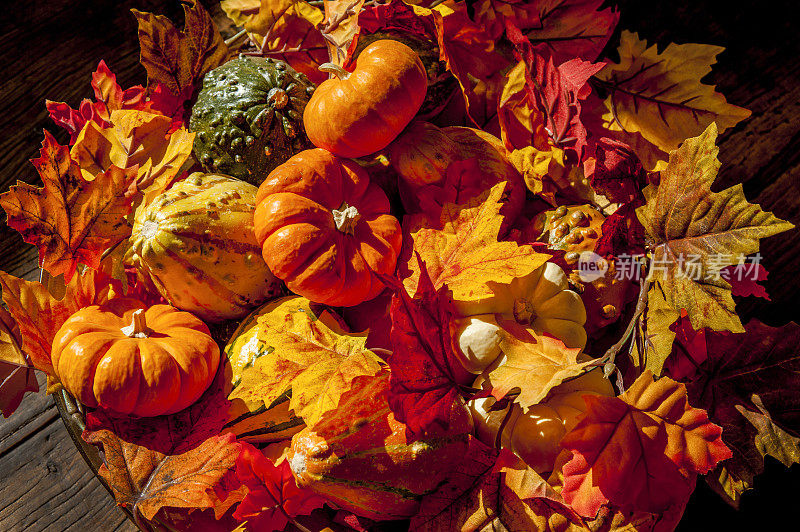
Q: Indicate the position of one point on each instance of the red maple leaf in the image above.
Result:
(555, 91)
(622, 233)
(109, 97)
(273, 497)
(426, 376)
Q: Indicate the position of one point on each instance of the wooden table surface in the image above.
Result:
(49, 49)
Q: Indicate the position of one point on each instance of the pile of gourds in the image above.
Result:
(285, 203)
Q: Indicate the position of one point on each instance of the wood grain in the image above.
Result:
(49, 50)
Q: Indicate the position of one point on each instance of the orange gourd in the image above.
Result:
(325, 229)
(357, 113)
(135, 360)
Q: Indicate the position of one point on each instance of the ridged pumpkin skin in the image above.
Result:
(535, 435)
(247, 117)
(159, 368)
(271, 423)
(196, 243)
(358, 113)
(366, 462)
(325, 229)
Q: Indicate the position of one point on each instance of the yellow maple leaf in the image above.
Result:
(693, 233)
(465, 254)
(660, 94)
(134, 138)
(535, 367)
(308, 354)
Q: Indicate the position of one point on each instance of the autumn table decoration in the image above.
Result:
(401, 266)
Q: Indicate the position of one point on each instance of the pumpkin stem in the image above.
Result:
(138, 327)
(346, 217)
(333, 68)
(524, 312)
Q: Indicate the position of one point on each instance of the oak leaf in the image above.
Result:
(71, 220)
(284, 29)
(273, 497)
(139, 139)
(693, 233)
(165, 461)
(179, 58)
(641, 450)
(39, 312)
(465, 254)
(748, 384)
(16, 374)
(660, 94)
(308, 354)
(534, 364)
(427, 377)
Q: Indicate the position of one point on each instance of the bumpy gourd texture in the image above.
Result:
(158, 371)
(299, 207)
(248, 117)
(196, 243)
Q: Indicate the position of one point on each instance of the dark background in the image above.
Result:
(49, 50)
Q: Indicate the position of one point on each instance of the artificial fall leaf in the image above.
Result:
(39, 313)
(340, 27)
(521, 126)
(660, 94)
(273, 497)
(139, 139)
(689, 349)
(426, 377)
(16, 374)
(470, 54)
(308, 354)
(71, 220)
(615, 171)
(572, 28)
(693, 233)
(491, 15)
(284, 29)
(762, 361)
(744, 279)
(621, 233)
(465, 254)
(555, 91)
(641, 450)
(109, 97)
(165, 461)
(534, 364)
(179, 58)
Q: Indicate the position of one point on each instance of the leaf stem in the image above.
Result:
(641, 305)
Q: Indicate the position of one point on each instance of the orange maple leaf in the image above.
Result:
(640, 450)
(16, 374)
(465, 253)
(70, 220)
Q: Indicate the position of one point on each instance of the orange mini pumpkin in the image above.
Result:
(135, 360)
(357, 113)
(325, 229)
